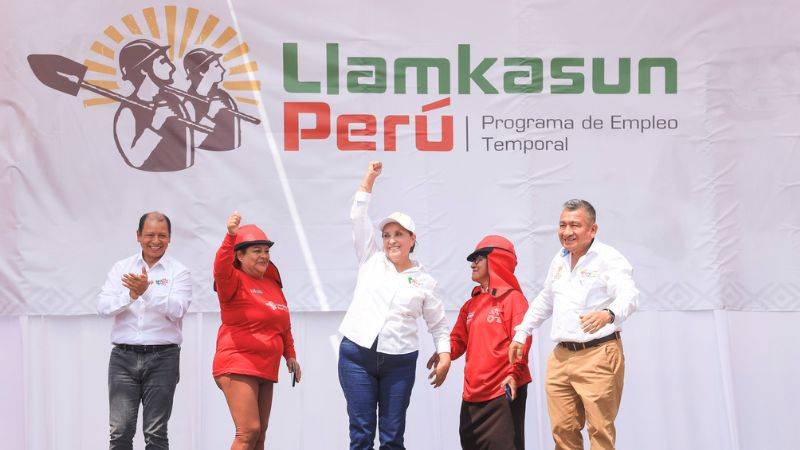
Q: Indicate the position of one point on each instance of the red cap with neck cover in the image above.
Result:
(502, 260)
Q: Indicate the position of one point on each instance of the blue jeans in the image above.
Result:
(370, 379)
(146, 378)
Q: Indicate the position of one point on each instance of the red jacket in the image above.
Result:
(485, 327)
(256, 330)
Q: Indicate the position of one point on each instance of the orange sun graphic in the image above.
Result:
(102, 67)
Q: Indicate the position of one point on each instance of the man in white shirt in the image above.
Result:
(589, 291)
(147, 294)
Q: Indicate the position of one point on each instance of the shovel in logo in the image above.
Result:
(66, 75)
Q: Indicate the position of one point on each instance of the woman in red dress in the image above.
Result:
(255, 331)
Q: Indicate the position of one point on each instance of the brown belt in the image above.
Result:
(575, 346)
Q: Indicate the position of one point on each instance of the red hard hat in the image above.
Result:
(489, 243)
(250, 235)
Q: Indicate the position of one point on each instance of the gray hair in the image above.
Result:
(576, 204)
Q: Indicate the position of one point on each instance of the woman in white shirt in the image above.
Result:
(378, 354)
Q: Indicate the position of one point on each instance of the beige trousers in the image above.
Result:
(585, 385)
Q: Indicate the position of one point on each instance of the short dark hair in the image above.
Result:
(577, 203)
(159, 216)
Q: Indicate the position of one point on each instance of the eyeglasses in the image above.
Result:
(477, 259)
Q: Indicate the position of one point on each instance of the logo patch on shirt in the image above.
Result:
(276, 306)
(414, 282)
(469, 317)
(256, 291)
(495, 315)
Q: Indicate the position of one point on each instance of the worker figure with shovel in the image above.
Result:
(208, 104)
(151, 139)
(156, 126)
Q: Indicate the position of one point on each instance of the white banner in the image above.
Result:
(677, 120)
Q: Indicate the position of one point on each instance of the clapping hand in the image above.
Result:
(137, 284)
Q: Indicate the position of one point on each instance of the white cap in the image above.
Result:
(402, 219)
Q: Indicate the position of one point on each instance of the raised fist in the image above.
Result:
(233, 223)
(374, 169)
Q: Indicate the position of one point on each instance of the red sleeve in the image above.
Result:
(459, 336)
(288, 343)
(518, 306)
(226, 280)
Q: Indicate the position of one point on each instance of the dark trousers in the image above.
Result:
(496, 424)
(146, 378)
(371, 379)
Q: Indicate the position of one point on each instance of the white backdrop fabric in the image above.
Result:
(706, 212)
(702, 211)
(697, 380)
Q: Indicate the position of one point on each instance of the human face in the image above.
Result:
(397, 242)
(215, 72)
(163, 68)
(254, 260)
(480, 269)
(575, 231)
(154, 239)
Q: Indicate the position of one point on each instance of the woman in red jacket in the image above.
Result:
(255, 330)
(493, 407)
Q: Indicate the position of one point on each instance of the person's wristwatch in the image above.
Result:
(613, 316)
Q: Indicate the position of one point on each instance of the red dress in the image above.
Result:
(256, 330)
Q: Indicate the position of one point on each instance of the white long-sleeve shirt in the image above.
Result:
(156, 316)
(602, 279)
(387, 303)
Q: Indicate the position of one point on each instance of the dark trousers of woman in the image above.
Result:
(496, 424)
(373, 380)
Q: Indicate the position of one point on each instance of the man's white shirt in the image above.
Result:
(386, 303)
(602, 279)
(156, 316)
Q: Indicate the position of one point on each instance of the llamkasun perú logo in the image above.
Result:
(177, 78)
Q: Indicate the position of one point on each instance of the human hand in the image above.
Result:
(593, 321)
(373, 171)
(434, 359)
(160, 116)
(440, 365)
(294, 367)
(515, 352)
(214, 107)
(512, 384)
(136, 284)
(233, 223)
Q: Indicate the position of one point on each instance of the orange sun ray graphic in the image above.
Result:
(130, 23)
(172, 26)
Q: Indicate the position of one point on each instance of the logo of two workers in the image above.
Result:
(157, 127)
